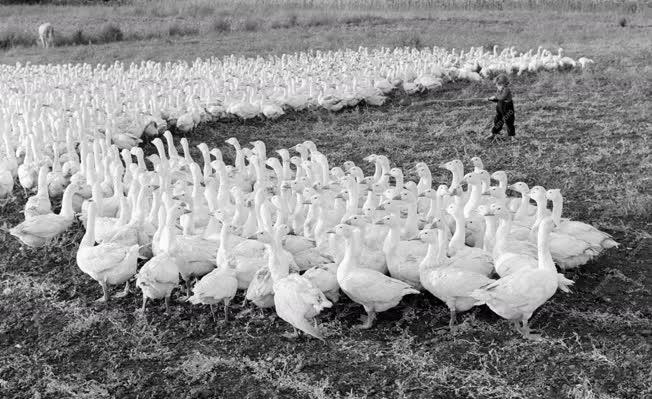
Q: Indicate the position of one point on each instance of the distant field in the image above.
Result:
(98, 22)
(587, 133)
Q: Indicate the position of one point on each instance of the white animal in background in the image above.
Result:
(46, 35)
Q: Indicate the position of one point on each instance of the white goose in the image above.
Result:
(516, 296)
(107, 263)
(375, 291)
(439, 275)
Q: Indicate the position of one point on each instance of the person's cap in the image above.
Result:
(502, 79)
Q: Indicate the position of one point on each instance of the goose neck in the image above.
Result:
(557, 208)
(392, 239)
(543, 250)
(521, 212)
(67, 210)
(457, 241)
(430, 260)
(489, 233)
(89, 236)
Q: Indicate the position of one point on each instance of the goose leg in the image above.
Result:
(226, 310)
(369, 322)
(105, 293)
(516, 326)
(293, 335)
(212, 312)
(142, 309)
(453, 318)
(527, 332)
(167, 304)
(124, 292)
(187, 285)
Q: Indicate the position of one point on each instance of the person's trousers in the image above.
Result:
(504, 116)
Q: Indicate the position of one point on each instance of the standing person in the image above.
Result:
(504, 108)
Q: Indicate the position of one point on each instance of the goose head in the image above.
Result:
(519, 187)
(477, 163)
(422, 169)
(296, 161)
(484, 210)
(429, 236)
(344, 194)
(455, 210)
(357, 173)
(369, 182)
(499, 210)
(337, 173)
(217, 154)
(408, 196)
(453, 166)
(357, 220)
(284, 154)
(443, 190)
(262, 236)
(429, 193)
(500, 176)
(274, 163)
(538, 194)
(259, 148)
(301, 149)
(390, 220)
(496, 192)
(390, 193)
(348, 165)
(233, 142)
(554, 194)
(396, 173)
(341, 230)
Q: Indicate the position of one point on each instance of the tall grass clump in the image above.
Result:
(76, 38)
(110, 33)
(251, 24)
(409, 39)
(284, 21)
(11, 38)
(221, 24)
(178, 29)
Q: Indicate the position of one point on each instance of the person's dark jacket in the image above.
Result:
(502, 98)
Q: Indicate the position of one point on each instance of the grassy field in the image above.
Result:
(99, 22)
(587, 133)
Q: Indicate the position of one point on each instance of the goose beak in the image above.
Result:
(252, 237)
(442, 166)
(330, 231)
(380, 208)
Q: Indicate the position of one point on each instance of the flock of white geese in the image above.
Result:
(295, 232)
(129, 101)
